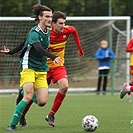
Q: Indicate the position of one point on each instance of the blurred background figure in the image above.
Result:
(103, 54)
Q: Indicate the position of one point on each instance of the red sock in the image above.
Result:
(131, 88)
(26, 109)
(57, 103)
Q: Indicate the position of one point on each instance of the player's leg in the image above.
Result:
(62, 81)
(28, 93)
(130, 83)
(129, 98)
(105, 80)
(41, 88)
(126, 88)
(27, 84)
(99, 81)
(42, 96)
(22, 121)
(63, 86)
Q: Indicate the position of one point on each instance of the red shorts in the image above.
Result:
(131, 70)
(56, 74)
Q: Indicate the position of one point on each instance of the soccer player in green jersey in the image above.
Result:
(33, 63)
(59, 35)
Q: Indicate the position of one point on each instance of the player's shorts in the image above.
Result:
(38, 78)
(131, 70)
(56, 73)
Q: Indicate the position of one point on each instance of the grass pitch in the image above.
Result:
(114, 115)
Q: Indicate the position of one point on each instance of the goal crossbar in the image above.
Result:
(69, 18)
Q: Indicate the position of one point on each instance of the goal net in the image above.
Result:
(82, 73)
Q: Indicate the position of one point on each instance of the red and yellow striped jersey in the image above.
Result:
(129, 48)
(58, 42)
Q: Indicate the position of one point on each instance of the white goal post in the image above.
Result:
(114, 29)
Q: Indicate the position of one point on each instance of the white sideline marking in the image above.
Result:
(4, 91)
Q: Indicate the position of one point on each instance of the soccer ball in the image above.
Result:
(89, 123)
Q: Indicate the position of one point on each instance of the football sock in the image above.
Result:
(57, 103)
(18, 112)
(131, 88)
(27, 108)
(22, 92)
(34, 98)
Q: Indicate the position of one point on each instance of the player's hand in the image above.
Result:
(5, 50)
(81, 53)
(57, 60)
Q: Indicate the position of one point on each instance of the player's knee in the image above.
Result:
(41, 101)
(28, 97)
(41, 104)
(64, 89)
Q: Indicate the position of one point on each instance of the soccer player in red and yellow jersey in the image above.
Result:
(129, 48)
(128, 87)
(59, 35)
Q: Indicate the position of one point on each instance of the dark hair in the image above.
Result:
(57, 15)
(38, 9)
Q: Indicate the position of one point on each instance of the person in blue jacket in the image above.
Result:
(103, 54)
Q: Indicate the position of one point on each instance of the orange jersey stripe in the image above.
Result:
(57, 50)
(129, 48)
(131, 59)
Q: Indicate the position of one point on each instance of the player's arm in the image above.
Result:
(15, 50)
(98, 55)
(44, 52)
(111, 54)
(129, 47)
(77, 40)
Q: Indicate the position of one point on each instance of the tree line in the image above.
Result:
(70, 7)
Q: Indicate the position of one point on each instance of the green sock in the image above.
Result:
(33, 98)
(18, 113)
(22, 92)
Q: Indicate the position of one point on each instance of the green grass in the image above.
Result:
(114, 114)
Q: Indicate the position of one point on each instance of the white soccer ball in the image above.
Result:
(90, 123)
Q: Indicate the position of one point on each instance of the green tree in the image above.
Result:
(16, 7)
(69, 7)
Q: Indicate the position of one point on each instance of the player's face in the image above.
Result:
(104, 44)
(59, 25)
(46, 19)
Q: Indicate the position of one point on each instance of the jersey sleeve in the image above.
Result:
(41, 50)
(74, 32)
(129, 47)
(17, 49)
